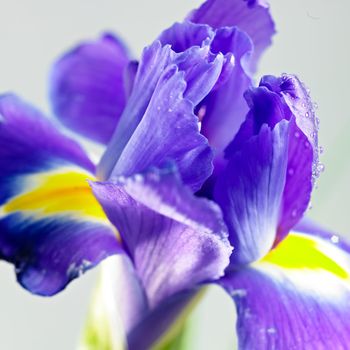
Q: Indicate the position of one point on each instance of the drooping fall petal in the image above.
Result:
(175, 239)
(51, 226)
(297, 297)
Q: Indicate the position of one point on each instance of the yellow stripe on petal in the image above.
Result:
(58, 193)
(300, 251)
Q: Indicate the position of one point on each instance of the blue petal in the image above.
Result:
(224, 109)
(30, 143)
(303, 159)
(274, 101)
(298, 297)
(50, 252)
(51, 226)
(250, 189)
(87, 87)
(253, 17)
(174, 239)
(160, 109)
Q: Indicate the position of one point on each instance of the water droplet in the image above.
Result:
(320, 168)
(138, 178)
(321, 150)
(335, 239)
(240, 293)
(307, 114)
(297, 134)
(315, 105)
(317, 122)
(271, 330)
(307, 144)
(294, 213)
(290, 171)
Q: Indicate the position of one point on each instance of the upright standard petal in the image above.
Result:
(224, 110)
(168, 130)
(251, 16)
(51, 227)
(268, 106)
(250, 189)
(87, 87)
(303, 158)
(182, 36)
(297, 297)
(166, 89)
(160, 221)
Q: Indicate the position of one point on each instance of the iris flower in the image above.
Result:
(204, 180)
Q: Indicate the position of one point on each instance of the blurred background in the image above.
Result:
(312, 41)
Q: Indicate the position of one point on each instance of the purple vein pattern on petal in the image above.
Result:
(160, 109)
(298, 297)
(268, 105)
(253, 17)
(303, 159)
(87, 88)
(224, 109)
(51, 227)
(168, 130)
(175, 239)
(250, 189)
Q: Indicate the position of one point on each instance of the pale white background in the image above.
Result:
(313, 41)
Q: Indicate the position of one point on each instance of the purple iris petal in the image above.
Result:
(252, 17)
(250, 190)
(275, 313)
(174, 239)
(268, 105)
(160, 109)
(303, 159)
(168, 129)
(40, 231)
(30, 143)
(225, 109)
(49, 253)
(301, 301)
(87, 88)
(183, 36)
